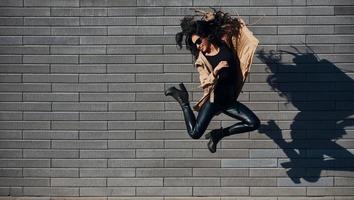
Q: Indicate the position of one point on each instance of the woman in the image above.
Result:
(210, 41)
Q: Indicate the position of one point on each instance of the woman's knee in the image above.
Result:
(197, 132)
(195, 135)
(254, 122)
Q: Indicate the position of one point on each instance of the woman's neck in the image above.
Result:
(213, 50)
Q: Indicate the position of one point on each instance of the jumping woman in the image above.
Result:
(217, 42)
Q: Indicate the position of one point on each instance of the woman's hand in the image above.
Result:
(209, 16)
(222, 64)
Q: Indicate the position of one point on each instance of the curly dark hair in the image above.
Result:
(214, 30)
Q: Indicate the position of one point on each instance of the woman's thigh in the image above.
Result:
(241, 112)
(206, 113)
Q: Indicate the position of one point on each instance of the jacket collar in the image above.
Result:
(205, 60)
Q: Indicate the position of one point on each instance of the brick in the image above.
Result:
(74, 12)
(108, 21)
(136, 124)
(163, 172)
(134, 182)
(306, 30)
(134, 68)
(72, 106)
(163, 3)
(107, 154)
(50, 172)
(78, 50)
(81, 163)
(16, 68)
(11, 153)
(50, 59)
(107, 40)
(54, 191)
(135, 30)
(80, 125)
(51, 3)
(107, 191)
(278, 191)
(78, 182)
(221, 172)
(134, 49)
(248, 163)
(310, 10)
(221, 191)
(135, 87)
(11, 3)
(11, 172)
(24, 30)
(11, 21)
(135, 163)
(10, 59)
(111, 78)
(108, 3)
(143, 21)
(135, 11)
(114, 97)
(79, 144)
(49, 134)
(277, 2)
(108, 172)
(329, 191)
(322, 182)
(136, 144)
(85, 87)
(10, 97)
(24, 50)
(195, 181)
(106, 59)
(12, 12)
(50, 154)
(78, 68)
(24, 182)
(164, 191)
(192, 163)
(25, 163)
(51, 21)
(135, 106)
(107, 116)
(175, 153)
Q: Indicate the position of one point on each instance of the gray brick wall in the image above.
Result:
(83, 115)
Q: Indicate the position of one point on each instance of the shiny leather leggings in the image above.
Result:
(196, 127)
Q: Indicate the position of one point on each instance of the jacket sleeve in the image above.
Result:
(223, 74)
(206, 79)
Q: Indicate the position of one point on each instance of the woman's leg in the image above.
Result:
(196, 127)
(249, 121)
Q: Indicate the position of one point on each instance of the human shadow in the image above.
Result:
(322, 94)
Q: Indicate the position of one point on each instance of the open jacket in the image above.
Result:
(244, 46)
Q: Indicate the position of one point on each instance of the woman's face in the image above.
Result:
(202, 44)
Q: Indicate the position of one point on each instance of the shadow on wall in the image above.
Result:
(324, 96)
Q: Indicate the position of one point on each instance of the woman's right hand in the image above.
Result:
(222, 64)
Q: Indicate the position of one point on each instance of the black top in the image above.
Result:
(225, 89)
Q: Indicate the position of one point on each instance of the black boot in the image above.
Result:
(181, 96)
(215, 136)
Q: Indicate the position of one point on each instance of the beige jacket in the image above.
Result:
(244, 46)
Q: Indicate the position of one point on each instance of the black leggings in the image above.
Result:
(196, 127)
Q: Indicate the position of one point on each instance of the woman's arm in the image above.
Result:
(221, 65)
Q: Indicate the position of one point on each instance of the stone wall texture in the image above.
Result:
(83, 114)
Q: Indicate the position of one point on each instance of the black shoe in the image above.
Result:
(181, 96)
(215, 136)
